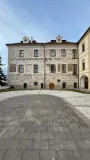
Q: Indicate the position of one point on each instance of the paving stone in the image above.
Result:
(84, 144)
(25, 144)
(82, 155)
(60, 136)
(48, 136)
(34, 135)
(30, 155)
(2, 154)
(70, 145)
(48, 155)
(11, 144)
(55, 145)
(66, 155)
(2, 142)
(13, 155)
(40, 145)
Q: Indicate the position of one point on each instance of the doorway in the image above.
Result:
(51, 85)
(41, 85)
(25, 85)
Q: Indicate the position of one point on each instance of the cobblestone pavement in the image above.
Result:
(77, 100)
(42, 127)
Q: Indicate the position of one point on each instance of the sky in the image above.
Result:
(43, 20)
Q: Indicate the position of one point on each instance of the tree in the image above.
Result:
(3, 77)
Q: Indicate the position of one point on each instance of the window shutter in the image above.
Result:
(19, 69)
(58, 67)
(70, 67)
(13, 68)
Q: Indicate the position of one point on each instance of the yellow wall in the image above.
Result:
(84, 57)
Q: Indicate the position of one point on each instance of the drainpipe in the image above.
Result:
(44, 67)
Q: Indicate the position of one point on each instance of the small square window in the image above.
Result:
(58, 80)
(52, 53)
(35, 83)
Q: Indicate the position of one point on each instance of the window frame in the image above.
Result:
(74, 56)
(75, 72)
(83, 66)
(21, 68)
(54, 68)
(35, 52)
(63, 68)
(35, 83)
(20, 53)
(52, 53)
(83, 47)
(63, 52)
(35, 68)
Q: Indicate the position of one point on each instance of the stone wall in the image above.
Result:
(18, 79)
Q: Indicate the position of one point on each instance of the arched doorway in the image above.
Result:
(84, 82)
(51, 85)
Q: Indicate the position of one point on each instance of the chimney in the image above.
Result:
(31, 39)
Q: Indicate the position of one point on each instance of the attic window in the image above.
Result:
(58, 39)
(25, 40)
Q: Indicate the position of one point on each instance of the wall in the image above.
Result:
(17, 79)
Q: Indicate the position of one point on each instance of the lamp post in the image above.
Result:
(44, 67)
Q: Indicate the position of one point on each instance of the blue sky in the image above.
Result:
(43, 20)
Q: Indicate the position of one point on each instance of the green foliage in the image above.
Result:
(3, 77)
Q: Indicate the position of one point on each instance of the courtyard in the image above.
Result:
(44, 125)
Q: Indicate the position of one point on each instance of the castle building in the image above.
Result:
(57, 64)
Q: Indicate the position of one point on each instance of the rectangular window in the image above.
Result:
(21, 69)
(35, 68)
(35, 53)
(52, 53)
(63, 68)
(12, 67)
(63, 52)
(74, 56)
(64, 85)
(83, 66)
(75, 69)
(53, 68)
(35, 83)
(83, 47)
(75, 85)
(21, 53)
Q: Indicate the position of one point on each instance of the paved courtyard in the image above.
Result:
(42, 127)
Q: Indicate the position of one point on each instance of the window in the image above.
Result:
(21, 53)
(74, 54)
(35, 68)
(63, 68)
(83, 66)
(64, 85)
(75, 85)
(35, 83)
(21, 68)
(52, 53)
(58, 80)
(63, 52)
(12, 67)
(83, 47)
(74, 69)
(35, 53)
(53, 68)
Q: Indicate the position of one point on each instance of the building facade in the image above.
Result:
(51, 65)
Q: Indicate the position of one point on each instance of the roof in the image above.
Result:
(53, 42)
(88, 30)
